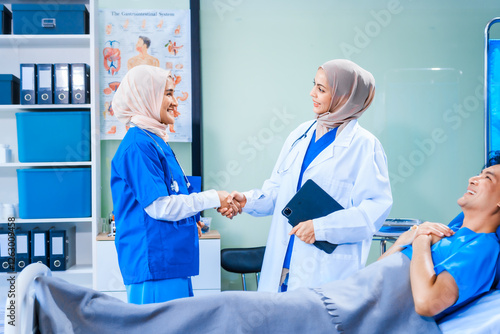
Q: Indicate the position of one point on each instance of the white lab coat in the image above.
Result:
(353, 170)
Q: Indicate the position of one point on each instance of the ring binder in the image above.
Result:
(28, 83)
(80, 83)
(22, 250)
(61, 83)
(45, 85)
(39, 246)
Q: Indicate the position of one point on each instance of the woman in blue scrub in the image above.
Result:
(155, 213)
(344, 159)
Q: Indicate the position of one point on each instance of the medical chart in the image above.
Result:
(145, 37)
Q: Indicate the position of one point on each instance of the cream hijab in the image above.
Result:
(138, 99)
(353, 89)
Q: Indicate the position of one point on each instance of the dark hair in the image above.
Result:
(146, 41)
(494, 158)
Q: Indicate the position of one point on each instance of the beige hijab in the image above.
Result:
(353, 89)
(139, 98)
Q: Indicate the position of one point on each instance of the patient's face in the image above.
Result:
(483, 192)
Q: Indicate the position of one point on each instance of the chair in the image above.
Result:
(243, 261)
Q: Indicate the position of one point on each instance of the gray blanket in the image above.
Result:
(372, 301)
(377, 299)
(65, 308)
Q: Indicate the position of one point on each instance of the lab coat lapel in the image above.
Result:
(342, 141)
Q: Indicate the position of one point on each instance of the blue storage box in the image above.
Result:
(54, 193)
(50, 18)
(53, 136)
(5, 20)
(9, 89)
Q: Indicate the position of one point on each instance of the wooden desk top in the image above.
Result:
(212, 234)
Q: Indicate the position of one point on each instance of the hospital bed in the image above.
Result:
(479, 316)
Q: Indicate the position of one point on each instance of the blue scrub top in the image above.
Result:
(142, 170)
(467, 256)
(313, 150)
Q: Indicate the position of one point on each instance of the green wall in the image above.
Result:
(258, 62)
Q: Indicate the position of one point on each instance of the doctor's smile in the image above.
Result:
(321, 93)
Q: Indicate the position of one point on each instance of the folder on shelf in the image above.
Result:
(39, 246)
(6, 261)
(22, 250)
(61, 83)
(80, 84)
(45, 86)
(28, 83)
(62, 249)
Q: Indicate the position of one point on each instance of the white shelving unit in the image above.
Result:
(17, 49)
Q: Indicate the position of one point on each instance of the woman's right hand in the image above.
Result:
(239, 200)
(228, 207)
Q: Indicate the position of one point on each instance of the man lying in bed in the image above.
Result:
(446, 270)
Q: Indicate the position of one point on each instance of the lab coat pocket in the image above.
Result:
(339, 190)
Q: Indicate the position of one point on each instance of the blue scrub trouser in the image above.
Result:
(159, 291)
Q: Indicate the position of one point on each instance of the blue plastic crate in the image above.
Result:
(54, 193)
(54, 136)
(5, 20)
(50, 19)
(9, 89)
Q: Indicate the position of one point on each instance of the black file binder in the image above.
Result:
(62, 249)
(61, 83)
(6, 264)
(45, 87)
(22, 250)
(80, 84)
(311, 202)
(28, 83)
(39, 246)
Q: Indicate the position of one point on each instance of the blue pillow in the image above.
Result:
(457, 223)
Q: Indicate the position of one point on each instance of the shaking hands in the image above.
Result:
(231, 204)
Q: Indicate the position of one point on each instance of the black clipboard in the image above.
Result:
(311, 202)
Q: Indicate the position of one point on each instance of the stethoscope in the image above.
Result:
(303, 136)
(174, 186)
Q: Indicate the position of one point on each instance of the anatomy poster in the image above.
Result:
(145, 37)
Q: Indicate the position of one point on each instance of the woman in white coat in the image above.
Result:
(343, 158)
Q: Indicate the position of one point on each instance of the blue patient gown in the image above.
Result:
(467, 256)
(156, 257)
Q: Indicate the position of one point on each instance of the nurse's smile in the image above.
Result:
(169, 103)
